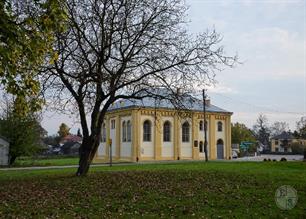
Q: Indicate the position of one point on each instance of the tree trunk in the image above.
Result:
(87, 152)
(12, 159)
(84, 163)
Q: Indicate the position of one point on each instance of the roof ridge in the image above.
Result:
(149, 102)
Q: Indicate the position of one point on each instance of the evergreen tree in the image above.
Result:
(261, 130)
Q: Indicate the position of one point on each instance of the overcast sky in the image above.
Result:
(270, 39)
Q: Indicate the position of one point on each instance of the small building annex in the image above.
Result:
(4, 152)
(144, 130)
(284, 141)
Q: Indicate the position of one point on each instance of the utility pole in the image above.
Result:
(110, 141)
(205, 126)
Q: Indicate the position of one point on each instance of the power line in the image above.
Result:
(268, 109)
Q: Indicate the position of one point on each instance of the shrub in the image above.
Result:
(298, 148)
(283, 159)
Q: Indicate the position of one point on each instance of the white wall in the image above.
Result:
(102, 149)
(4, 151)
(186, 147)
(113, 136)
(282, 149)
(167, 149)
(126, 147)
(147, 148)
(201, 136)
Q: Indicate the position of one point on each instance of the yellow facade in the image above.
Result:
(277, 145)
(157, 148)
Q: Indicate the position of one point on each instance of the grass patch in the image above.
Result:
(191, 189)
(48, 161)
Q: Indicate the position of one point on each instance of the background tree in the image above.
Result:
(278, 128)
(26, 36)
(52, 140)
(261, 130)
(124, 49)
(24, 132)
(241, 133)
(63, 130)
(298, 148)
(301, 127)
(296, 134)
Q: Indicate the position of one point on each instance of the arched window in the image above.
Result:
(103, 138)
(185, 132)
(201, 127)
(220, 142)
(128, 131)
(167, 131)
(219, 126)
(123, 131)
(113, 124)
(147, 130)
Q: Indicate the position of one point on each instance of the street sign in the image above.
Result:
(245, 145)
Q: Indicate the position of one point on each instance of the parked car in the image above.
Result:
(234, 154)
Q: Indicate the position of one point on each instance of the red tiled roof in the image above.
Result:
(71, 138)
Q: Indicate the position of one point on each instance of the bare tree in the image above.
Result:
(301, 127)
(278, 128)
(124, 49)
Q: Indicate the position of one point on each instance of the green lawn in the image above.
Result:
(189, 189)
(52, 161)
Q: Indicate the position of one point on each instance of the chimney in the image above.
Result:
(121, 103)
(207, 102)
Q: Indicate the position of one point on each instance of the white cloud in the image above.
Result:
(272, 36)
(52, 120)
(270, 52)
(216, 23)
(220, 88)
(249, 118)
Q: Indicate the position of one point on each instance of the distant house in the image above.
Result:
(71, 138)
(71, 148)
(284, 141)
(70, 145)
(4, 152)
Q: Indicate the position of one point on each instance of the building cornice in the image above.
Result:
(167, 112)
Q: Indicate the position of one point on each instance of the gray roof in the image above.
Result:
(71, 144)
(189, 103)
(284, 136)
(3, 141)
